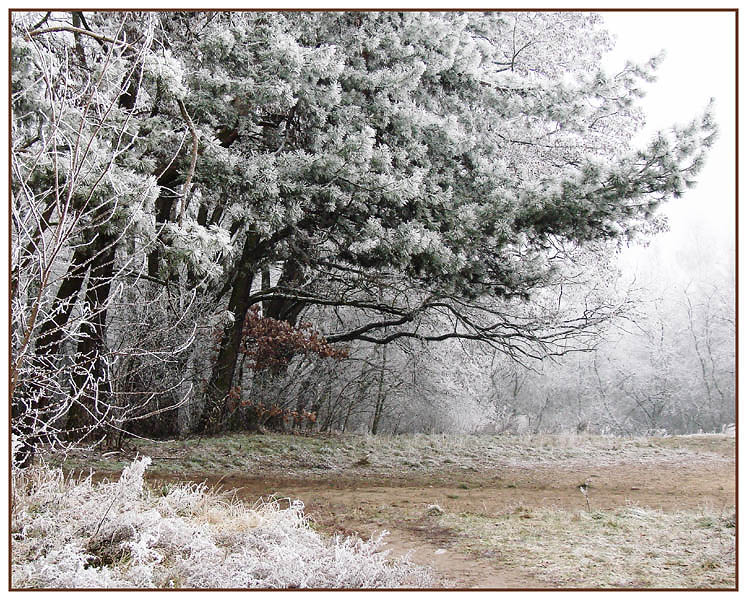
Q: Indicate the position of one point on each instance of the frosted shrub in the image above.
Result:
(79, 534)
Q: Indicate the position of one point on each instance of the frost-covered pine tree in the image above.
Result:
(401, 166)
(452, 152)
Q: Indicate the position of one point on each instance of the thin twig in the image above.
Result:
(101, 522)
(44, 20)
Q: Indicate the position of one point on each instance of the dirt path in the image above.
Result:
(342, 503)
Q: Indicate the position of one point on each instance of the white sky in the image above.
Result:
(699, 65)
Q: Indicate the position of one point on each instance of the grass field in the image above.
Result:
(491, 511)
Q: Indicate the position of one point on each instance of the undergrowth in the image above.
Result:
(74, 533)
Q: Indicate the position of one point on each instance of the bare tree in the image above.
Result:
(78, 228)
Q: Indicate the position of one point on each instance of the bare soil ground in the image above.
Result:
(494, 511)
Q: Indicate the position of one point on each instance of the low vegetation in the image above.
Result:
(629, 547)
(385, 455)
(658, 512)
(71, 533)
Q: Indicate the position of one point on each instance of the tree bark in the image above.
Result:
(284, 309)
(380, 395)
(164, 213)
(92, 379)
(48, 345)
(228, 353)
(51, 331)
(239, 303)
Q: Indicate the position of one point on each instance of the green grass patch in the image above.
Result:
(384, 454)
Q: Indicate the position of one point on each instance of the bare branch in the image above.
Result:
(76, 30)
(193, 162)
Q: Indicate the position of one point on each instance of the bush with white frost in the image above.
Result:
(79, 534)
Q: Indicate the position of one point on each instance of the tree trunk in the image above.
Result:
(380, 395)
(266, 284)
(225, 365)
(51, 332)
(92, 380)
(28, 396)
(167, 197)
(281, 308)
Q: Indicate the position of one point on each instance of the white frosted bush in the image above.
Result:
(80, 534)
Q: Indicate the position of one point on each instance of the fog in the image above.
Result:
(699, 65)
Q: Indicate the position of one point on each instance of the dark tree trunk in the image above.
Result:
(51, 332)
(221, 380)
(266, 284)
(164, 213)
(92, 377)
(131, 86)
(28, 396)
(202, 214)
(225, 365)
(79, 51)
(284, 309)
(380, 395)
(287, 310)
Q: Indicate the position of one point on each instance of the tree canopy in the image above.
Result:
(414, 174)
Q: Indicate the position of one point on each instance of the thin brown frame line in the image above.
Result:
(736, 295)
(600, 10)
(463, 10)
